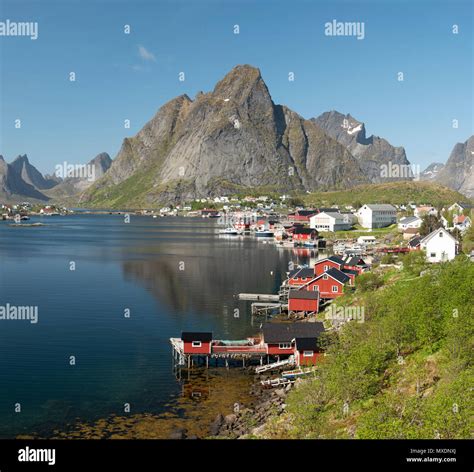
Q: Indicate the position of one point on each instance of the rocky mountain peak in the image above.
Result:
(241, 84)
(372, 152)
(458, 173)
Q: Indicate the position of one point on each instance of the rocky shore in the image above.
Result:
(246, 421)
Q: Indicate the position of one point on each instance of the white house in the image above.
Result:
(409, 222)
(440, 246)
(460, 207)
(425, 210)
(377, 215)
(366, 240)
(462, 222)
(330, 221)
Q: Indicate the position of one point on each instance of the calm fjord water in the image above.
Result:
(119, 266)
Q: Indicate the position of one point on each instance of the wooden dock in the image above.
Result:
(264, 297)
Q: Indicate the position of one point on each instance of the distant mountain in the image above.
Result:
(458, 173)
(371, 152)
(77, 183)
(30, 174)
(227, 140)
(432, 171)
(12, 185)
(20, 180)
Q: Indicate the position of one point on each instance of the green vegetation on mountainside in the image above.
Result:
(395, 193)
(405, 372)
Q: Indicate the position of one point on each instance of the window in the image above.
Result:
(197, 344)
(325, 277)
(284, 346)
(326, 268)
(315, 288)
(441, 234)
(433, 254)
(334, 288)
(308, 353)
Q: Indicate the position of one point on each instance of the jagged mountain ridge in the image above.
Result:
(371, 152)
(432, 171)
(71, 186)
(20, 180)
(231, 138)
(12, 185)
(458, 173)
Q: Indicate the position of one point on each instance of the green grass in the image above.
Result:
(393, 192)
(359, 231)
(406, 372)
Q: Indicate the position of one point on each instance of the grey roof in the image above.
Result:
(465, 205)
(304, 272)
(408, 219)
(330, 210)
(414, 241)
(190, 336)
(304, 294)
(307, 344)
(354, 260)
(381, 207)
(337, 274)
(286, 332)
(332, 214)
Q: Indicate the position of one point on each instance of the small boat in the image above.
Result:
(24, 218)
(293, 374)
(264, 233)
(229, 231)
(275, 382)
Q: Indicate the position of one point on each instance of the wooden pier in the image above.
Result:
(218, 351)
(264, 297)
(267, 309)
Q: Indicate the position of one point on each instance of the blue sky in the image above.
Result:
(74, 121)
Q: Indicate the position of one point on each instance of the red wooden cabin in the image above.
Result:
(324, 265)
(304, 234)
(302, 215)
(355, 263)
(306, 351)
(196, 343)
(352, 275)
(281, 338)
(330, 284)
(299, 277)
(303, 301)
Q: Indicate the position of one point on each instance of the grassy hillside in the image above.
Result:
(405, 372)
(139, 191)
(392, 192)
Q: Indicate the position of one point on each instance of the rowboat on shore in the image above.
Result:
(272, 383)
(293, 374)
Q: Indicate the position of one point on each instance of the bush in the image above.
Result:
(414, 262)
(369, 281)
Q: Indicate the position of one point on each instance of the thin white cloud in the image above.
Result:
(145, 54)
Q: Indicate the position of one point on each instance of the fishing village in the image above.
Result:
(291, 325)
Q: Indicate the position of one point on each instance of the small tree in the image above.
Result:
(429, 223)
(369, 281)
(414, 262)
